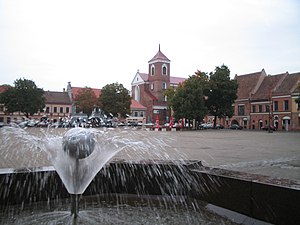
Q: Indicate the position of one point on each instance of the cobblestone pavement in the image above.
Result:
(273, 154)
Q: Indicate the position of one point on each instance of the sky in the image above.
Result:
(94, 43)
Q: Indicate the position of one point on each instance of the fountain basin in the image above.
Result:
(264, 199)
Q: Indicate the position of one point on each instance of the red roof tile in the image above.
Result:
(159, 56)
(176, 80)
(144, 76)
(137, 105)
(3, 88)
(75, 91)
(267, 86)
(288, 85)
(246, 84)
(53, 97)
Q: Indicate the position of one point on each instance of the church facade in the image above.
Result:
(148, 89)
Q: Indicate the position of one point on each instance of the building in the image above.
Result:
(267, 99)
(57, 105)
(148, 88)
(73, 92)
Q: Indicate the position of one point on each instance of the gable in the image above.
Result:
(139, 78)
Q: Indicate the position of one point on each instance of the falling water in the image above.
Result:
(44, 147)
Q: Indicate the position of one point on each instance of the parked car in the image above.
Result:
(206, 126)
(267, 127)
(219, 126)
(235, 127)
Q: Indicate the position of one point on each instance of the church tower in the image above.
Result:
(158, 83)
(159, 76)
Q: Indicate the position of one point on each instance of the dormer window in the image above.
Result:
(164, 69)
(152, 70)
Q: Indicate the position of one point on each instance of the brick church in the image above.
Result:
(148, 90)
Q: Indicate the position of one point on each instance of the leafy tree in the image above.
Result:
(188, 100)
(24, 97)
(86, 100)
(221, 94)
(115, 99)
(170, 92)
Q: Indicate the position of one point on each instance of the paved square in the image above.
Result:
(274, 154)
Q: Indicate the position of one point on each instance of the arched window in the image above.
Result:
(164, 69)
(137, 94)
(152, 70)
(164, 85)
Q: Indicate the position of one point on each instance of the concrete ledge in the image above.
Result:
(274, 203)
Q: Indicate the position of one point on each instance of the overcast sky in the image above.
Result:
(94, 43)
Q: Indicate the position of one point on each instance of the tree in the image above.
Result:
(221, 94)
(86, 100)
(115, 99)
(170, 92)
(24, 97)
(188, 100)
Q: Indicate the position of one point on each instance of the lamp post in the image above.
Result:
(270, 106)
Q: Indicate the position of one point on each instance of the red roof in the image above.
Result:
(159, 56)
(177, 80)
(144, 76)
(137, 105)
(55, 97)
(267, 86)
(246, 84)
(75, 91)
(4, 88)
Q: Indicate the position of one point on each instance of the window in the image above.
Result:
(136, 114)
(164, 85)
(286, 105)
(55, 110)
(141, 114)
(151, 86)
(47, 109)
(259, 108)
(254, 108)
(166, 98)
(61, 110)
(275, 105)
(164, 69)
(241, 110)
(137, 94)
(67, 109)
(267, 108)
(152, 70)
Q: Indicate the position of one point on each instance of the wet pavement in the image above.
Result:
(274, 154)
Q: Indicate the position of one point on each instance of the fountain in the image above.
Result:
(171, 190)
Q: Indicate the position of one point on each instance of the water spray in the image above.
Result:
(78, 143)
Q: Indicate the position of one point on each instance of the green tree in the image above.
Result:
(170, 92)
(221, 94)
(86, 100)
(24, 97)
(188, 100)
(115, 99)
